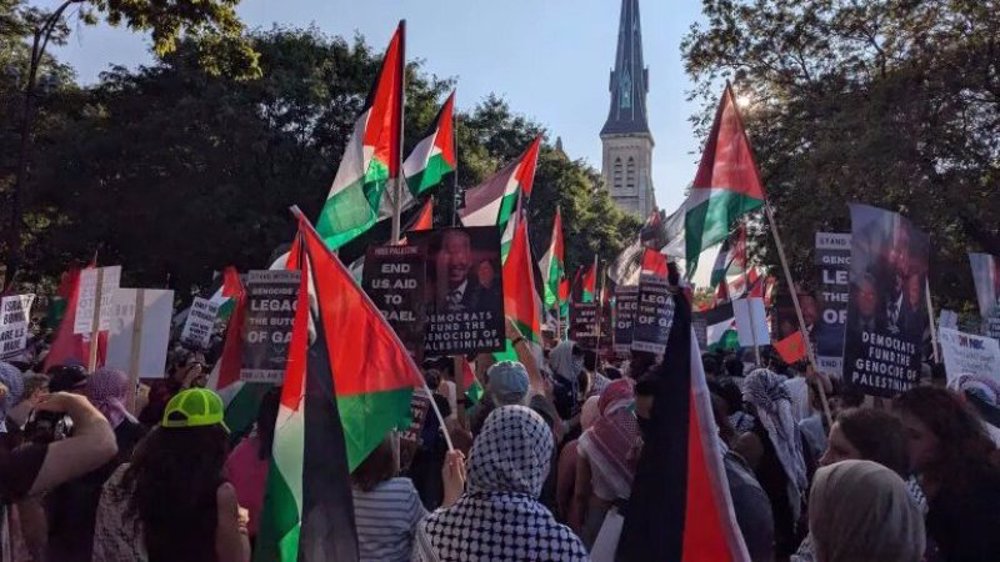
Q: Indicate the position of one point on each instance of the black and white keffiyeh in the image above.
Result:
(499, 518)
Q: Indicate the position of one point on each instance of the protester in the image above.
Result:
(957, 465)
(507, 383)
(67, 378)
(172, 502)
(608, 452)
(597, 382)
(498, 517)
(386, 506)
(180, 377)
(773, 448)
(568, 508)
(72, 507)
(566, 362)
(860, 511)
(247, 466)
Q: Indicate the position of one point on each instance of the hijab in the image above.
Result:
(609, 444)
(766, 392)
(107, 390)
(564, 363)
(861, 511)
(499, 518)
(11, 378)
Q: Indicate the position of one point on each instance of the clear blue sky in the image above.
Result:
(548, 58)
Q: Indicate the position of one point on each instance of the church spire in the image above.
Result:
(629, 79)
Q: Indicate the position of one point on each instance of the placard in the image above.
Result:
(15, 319)
(464, 290)
(271, 299)
(154, 333)
(986, 276)
(200, 323)
(948, 319)
(833, 263)
(751, 322)
(395, 278)
(654, 314)
(968, 354)
(583, 324)
(626, 304)
(83, 323)
(887, 310)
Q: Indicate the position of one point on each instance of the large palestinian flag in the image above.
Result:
(67, 346)
(588, 291)
(521, 300)
(371, 157)
(726, 187)
(553, 266)
(434, 156)
(348, 382)
(680, 508)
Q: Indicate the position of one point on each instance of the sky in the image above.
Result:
(550, 60)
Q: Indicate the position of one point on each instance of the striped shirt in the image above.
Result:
(386, 518)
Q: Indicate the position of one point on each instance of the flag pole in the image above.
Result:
(397, 190)
(930, 317)
(95, 322)
(600, 313)
(454, 148)
(798, 308)
(297, 213)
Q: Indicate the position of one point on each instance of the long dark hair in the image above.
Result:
(878, 436)
(174, 476)
(965, 449)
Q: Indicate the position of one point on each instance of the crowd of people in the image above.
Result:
(543, 465)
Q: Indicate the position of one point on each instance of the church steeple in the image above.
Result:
(629, 81)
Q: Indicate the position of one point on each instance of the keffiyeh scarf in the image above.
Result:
(499, 518)
(610, 443)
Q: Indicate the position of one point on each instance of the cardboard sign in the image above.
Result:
(111, 278)
(751, 322)
(141, 347)
(654, 314)
(948, 319)
(968, 354)
(200, 323)
(464, 290)
(271, 301)
(583, 324)
(15, 319)
(833, 264)
(395, 279)
(887, 319)
(626, 304)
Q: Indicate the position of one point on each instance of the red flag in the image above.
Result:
(67, 346)
(232, 349)
(792, 349)
(425, 218)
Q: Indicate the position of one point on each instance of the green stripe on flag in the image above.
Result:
(709, 221)
(280, 524)
(353, 210)
(437, 168)
(368, 418)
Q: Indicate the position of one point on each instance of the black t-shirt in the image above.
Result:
(18, 470)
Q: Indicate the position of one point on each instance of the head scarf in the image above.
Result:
(107, 390)
(564, 364)
(765, 391)
(499, 517)
(609, 444)
(11, 378)
(861, 510)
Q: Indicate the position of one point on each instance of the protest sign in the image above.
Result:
(887, 309)
(968, 354)
(15, 318)
(948, 319)
(464, 290)
(394, 278)
(583, 324)
(751, 322)
(833, 259)
(110, 279)
(986, 276)
(653, 315)
(200, 323)
(626, 304)
(267, 331)
(409, 438)
(700, 326)
(139, 331)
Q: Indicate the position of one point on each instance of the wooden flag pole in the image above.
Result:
(397, 189)
(798, 308)
(454, 175)
(95, 321)
(930, 316)
(459, 370)
(136, 351)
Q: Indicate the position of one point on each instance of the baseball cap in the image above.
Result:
(194, 407)
(508, 382)
(67, 378)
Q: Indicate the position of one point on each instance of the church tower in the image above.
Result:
(627, 160)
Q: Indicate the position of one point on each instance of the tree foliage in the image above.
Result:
(893, 103)
(174, 172)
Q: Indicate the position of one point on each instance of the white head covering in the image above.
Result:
(861, 511)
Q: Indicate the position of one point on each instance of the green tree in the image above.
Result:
(888, 102)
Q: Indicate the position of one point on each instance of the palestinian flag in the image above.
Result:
(425, 218)
(726, 187)
(589, 289)
(553, 266)
(434, 156)
(496, 200)
(348, 382)
(732, 258)
(371, 157)
(521, 300)
(662, 233)
(473, 389)
(68, 346)
(680, 508)
(720, 328)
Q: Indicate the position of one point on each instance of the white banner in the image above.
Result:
(15, 318)
(200, 323)
(968, 354)
(751, 322)
(83, 323)
(154, 333)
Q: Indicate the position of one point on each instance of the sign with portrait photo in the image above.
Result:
(464, 290)
(887, 309)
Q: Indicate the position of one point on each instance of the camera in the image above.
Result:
(46, 427)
